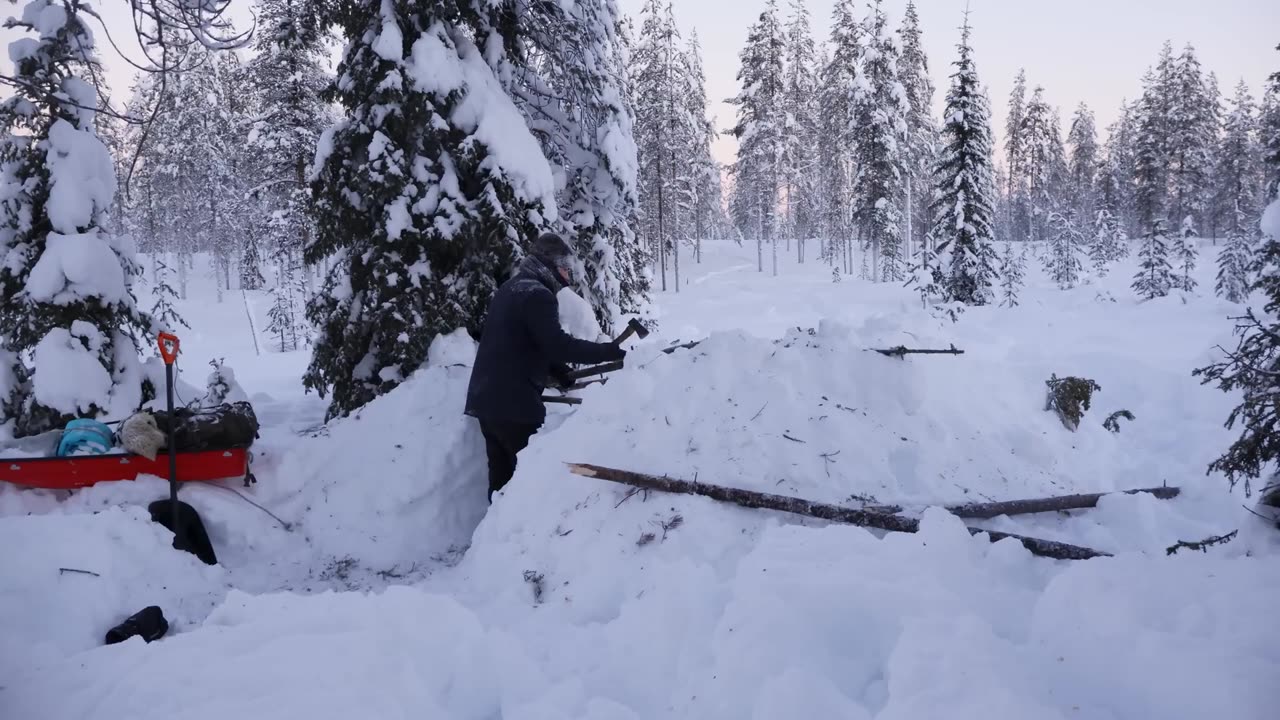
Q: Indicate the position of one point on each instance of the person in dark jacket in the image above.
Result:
(522, 348)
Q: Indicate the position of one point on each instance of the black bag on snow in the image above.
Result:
(229, 425)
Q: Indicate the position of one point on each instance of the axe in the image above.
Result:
(633, 328)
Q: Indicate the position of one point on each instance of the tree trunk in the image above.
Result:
(799, 506)
(1036, 505)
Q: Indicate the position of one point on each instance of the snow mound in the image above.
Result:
(811, 622)
(398, 482)
(47, 612)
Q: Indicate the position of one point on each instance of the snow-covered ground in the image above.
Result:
(374, 581)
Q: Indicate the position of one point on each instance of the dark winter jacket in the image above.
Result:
(520, 344)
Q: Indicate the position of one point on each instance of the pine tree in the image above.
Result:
(1193, 130)
(1250, 371)
(1015, 153)
(881, 111)
(1043, 162)
(57, 182)
(659, 130)
(1082, 143)
(837, 82)
(1066, 244)
(964, 186)
(922, 133)
(1236, 259)
(1013, 269)
(1151, 156)
(163, 311)
(759, 130)
(418, 203)
(1270, 137)
(1155, 277)
(1108, 242)
(287, 80)
(799, 166)
(703, 171)
(1116, 174)
(1185, 253)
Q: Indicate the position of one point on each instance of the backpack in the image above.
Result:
(229, 425)
(85, 437)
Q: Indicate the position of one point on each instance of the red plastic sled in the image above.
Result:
(67, 473)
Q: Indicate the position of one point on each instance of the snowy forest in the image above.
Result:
(382, 205)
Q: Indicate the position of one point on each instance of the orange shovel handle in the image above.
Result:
(168, 347)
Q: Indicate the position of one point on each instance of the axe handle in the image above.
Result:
(596, 370)
(562, 400)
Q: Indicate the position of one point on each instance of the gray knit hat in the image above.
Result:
(551, 249)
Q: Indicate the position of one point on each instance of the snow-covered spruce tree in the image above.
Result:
(1269, 131)
(838, 79)
(287, 81)
(1184, 254)
(881, 110)
(1239, 185)
(1013, 271)
(1044, 156)
(800, 174)
(1193, 130)
(1155, 276)
(1066, 245)
(163, 311)
(1107, 243)
(1016, 222)
(1151, 157)
(1082, 162)
(423, 194)
(701, 177)
(964, 186)
(921, 145)
(1116, 174)
(659, 130)
(65, 294)
(1235, 261)
(576, 101)
(759, 130)
(1252, 369)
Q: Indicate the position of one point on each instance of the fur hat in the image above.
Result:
(140, 435)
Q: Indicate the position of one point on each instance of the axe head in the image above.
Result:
(640, 330)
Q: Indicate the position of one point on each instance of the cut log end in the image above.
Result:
(583, 470)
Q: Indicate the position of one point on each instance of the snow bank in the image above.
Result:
(398, 482)
(810, 622)
(47, 613)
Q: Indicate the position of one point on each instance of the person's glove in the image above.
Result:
(559, 375)
(621, 353)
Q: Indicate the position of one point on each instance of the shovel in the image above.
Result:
(188, 529)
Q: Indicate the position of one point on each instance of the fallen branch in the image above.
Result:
(1036, 505)
(902, 351)
(1202, 545)
(825, 511)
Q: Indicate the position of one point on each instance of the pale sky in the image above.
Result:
(1090, 50)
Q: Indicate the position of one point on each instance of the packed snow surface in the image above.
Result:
(577, 598)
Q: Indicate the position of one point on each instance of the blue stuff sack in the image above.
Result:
(85, 437)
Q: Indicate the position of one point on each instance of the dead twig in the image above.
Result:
(1201, 545)
(798, 440)
(758, 412)
(64, 571)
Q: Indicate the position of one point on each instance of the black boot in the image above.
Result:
(148, 623)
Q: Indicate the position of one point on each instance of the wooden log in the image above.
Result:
(1035, 505)
(825, 511)
(902, 351)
